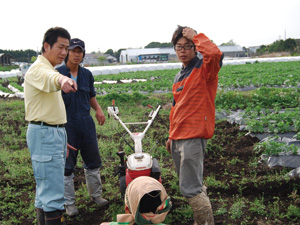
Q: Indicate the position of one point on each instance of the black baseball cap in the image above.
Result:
(76, 42)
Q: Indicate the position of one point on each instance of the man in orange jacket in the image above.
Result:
(192, 116)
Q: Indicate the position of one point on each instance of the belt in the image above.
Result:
(46, 124)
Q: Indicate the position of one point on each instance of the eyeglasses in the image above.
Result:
(180, 47)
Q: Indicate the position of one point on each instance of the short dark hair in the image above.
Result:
(178, 34)
(52, 35)
(74, 43)
(67, 57)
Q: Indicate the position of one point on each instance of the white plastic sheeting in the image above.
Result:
(17, 93)
(105, 70)
(283, 159)
(12, 73)
(253, 60)
(122, 81)
(291, 161)
(295, 172)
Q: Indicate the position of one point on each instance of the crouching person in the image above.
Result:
(146, 202)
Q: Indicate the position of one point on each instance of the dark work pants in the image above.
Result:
(81, 134)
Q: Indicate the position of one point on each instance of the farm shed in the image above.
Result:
(252, 50)
(92, 59)
(6, 59)
(232, 51)
(147, 55)
(169, 54)
(111, 59)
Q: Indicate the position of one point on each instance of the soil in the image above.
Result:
(227, 159)
(235, 145)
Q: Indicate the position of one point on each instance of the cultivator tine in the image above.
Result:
(124, 138)
(153, 147)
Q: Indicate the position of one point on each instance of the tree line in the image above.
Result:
(30, 55)
(288, 45)
(20, 55)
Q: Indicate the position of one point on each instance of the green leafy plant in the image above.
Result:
(293, 213)
(236, 210)
(232, 178)
(272, 147)
(258, 207)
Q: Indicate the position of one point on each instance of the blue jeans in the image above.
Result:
(48, 148)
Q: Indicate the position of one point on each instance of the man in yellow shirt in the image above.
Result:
(46, 135)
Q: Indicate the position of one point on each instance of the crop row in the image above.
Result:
(233, 179)
(266, 74)
(279, 74)
(261, 105)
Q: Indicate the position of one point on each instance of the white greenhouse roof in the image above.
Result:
(231, 48)
(144, 51)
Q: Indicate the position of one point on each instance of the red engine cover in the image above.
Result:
(132, 174)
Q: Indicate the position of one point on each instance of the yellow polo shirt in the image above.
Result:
(42, 94)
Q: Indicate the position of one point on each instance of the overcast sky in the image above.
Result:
(116, 24)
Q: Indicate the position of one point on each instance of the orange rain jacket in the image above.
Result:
(194, 90)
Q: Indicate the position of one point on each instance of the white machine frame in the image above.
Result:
(136, 137)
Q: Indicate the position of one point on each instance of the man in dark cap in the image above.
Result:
(80, 127)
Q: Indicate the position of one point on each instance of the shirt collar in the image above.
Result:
(191, 64)
(43, 59)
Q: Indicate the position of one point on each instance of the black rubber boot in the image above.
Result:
(40, 216)
(54, 218)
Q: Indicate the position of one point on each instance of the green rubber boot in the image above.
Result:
(40, 216)
(55, 218)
